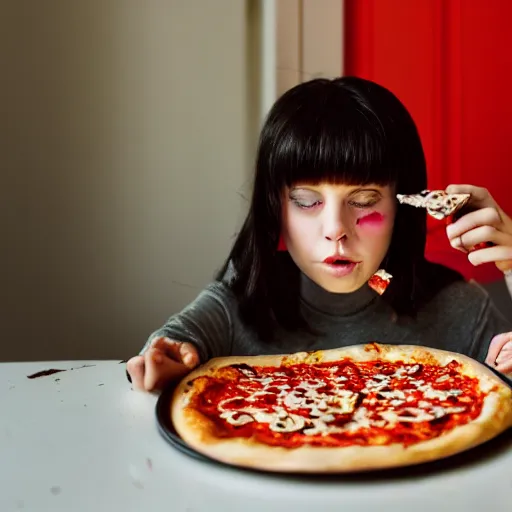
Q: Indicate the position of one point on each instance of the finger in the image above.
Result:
(505, 353)
(478, 237)
(497, 343)
(160, 370)
(169, 347)
(135, 367)
(496, 254)
(480, 196)
(505, 266)
(483, 217)
(182, 352)
(189, 355)
(505, 367)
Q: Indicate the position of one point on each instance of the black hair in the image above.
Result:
(347, 130)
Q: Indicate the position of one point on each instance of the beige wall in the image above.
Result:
(309, 41)
(125, 128)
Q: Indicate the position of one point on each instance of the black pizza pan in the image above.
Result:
(477, 455)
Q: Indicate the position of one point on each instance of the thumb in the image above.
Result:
(161, 369)
(189, 355)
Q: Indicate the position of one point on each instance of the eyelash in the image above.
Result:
(363, 205)
(316, 203)
(305, 206)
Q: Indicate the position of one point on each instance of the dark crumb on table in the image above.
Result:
(44, 373)
(51, 371)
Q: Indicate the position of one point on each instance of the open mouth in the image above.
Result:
(339, 266)
(338, 261)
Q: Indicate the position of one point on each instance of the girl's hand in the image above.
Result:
(500, 353)
(163, 362)
(485, 233)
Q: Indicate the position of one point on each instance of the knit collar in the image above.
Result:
(339, 304)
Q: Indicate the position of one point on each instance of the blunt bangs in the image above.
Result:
(328, 137)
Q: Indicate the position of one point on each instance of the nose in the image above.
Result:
(334, 227)
(336, 236)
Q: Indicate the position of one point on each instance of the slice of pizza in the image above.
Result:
(438, 203)
(351, 409)
(380, 281)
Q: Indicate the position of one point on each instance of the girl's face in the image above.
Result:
(338, 235)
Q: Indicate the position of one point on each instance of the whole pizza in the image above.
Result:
(357, 408)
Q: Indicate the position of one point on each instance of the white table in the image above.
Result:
(82, 440)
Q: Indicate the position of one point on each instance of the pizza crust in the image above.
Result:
(199, 431)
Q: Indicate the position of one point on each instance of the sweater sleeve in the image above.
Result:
(206, 323)
(488, 324)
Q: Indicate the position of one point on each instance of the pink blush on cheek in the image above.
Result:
(373, 220)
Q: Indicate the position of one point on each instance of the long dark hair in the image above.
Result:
(347, 130)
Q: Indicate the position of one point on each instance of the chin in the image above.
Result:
(339, 285)
(342, 289)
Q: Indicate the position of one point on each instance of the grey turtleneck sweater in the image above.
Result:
(461, 318)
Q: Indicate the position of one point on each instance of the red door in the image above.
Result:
(450, 62)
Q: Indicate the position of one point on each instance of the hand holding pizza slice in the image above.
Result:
(485, 233)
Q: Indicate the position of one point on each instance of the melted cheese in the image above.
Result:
(411, 414)
(386, 276)
(395, 393)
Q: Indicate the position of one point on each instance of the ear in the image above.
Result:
(281, 246)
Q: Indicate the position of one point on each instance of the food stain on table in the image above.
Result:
(51, 371)
(44, 373)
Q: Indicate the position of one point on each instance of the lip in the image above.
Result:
(339, 270)
(337, 257)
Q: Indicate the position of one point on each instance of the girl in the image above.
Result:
(323, 219)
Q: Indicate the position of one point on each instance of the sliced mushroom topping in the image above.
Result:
(287, 423)
(237, 418)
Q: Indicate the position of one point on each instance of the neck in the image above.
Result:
(339, 304)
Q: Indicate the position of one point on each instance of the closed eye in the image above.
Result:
(368, 204)
(306, 205)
